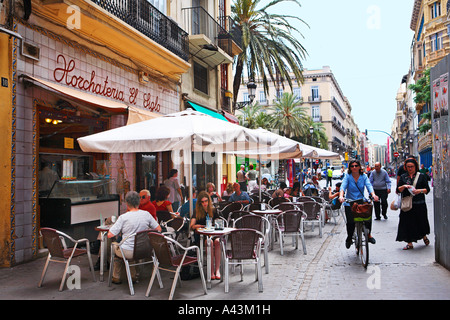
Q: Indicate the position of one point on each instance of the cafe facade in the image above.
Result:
(64, 85)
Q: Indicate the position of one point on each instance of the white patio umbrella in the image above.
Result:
(186, 130)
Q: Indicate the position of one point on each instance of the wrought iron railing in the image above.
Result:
(148, 20)
(198, 21)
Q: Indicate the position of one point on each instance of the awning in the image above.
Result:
(138, 114)
(207, 111)
(80, 96)
(230, 117)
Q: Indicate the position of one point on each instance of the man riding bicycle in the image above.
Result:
(354, 183)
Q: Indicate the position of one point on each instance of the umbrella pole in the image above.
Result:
(191, 195)
(259, 160)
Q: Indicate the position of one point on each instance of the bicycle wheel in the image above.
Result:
(357, 237)
(364, 246)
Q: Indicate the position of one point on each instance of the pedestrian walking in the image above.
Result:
(330, 176)
(381, 183)
(413, 224)
(242, 178)
(251, 176)
(354, 183)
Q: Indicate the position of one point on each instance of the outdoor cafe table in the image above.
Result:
(271, 216)
(210, 233)
(103, 239)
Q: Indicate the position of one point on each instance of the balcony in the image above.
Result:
(338, 107)
(132, 28)
(208, 40)
(314, 98)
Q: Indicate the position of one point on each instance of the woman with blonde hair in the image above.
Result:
(211, 189)
(204, 207)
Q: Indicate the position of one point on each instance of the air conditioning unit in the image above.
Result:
(30, 51)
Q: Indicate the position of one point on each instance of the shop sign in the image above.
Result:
(67, 74)
(68, 143)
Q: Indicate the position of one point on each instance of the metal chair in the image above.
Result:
(163, 216)
(276, 201)
(142, 254)
(58, 252)
(245, 247)
(257, 223)
(233, 206)
(235, 215)
(290, 223)
(165, 259)
(313, 215)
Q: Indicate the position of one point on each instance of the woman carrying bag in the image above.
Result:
(413, 224)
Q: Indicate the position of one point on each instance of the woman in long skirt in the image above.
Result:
(413, 224)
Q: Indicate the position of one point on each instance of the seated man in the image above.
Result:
(146, 204)
(238, 195)
(184, 211)
(133, 221)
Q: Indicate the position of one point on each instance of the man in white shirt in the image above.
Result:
(129, 223)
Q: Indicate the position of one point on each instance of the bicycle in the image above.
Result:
(361, 236)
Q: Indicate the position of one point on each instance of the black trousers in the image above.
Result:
(383, 195)
(351, 223)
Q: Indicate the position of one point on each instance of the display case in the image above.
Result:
(79, 204)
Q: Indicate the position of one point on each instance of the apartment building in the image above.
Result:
(325, 102)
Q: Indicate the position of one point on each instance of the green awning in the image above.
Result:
(207, 111)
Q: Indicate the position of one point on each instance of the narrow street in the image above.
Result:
(328, 272)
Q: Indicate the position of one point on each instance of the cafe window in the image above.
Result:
(147, 172)
(204, 169)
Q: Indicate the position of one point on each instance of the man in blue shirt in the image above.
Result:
(381, 183)
(238, 195)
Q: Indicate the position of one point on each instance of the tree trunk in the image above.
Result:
(237, 81)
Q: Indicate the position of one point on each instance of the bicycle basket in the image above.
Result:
(363, 210)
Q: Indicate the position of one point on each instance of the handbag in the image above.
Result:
(361, 210)
(407, 201)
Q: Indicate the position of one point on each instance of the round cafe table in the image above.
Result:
(103, 239)
(271, 216)
(209, 234)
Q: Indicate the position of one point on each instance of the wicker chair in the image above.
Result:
(276, 201)
(245, 247)
(258, 223)
(290, 223)
(58, 252)
(313, 215)
(165, 259)
(142, 254)
(233, 206)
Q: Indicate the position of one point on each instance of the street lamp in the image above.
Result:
(311, 130)
(251, 86)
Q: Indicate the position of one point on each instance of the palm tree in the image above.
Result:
(270, 49)
(319, 134)
(289, 116)
(248, 115)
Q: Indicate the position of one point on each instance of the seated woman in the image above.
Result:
(161, 203)
(204, 207)
(334, 196)
(280, 191)
(211, 190)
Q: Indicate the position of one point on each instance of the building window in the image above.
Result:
(315, 113)
(262, 97)
(200, 78)
(279, 93)
(435, 10)
(297, 92)
(436, 41)
(245, 97)
(315, 93)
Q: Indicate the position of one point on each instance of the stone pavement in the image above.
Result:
(327, 272)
